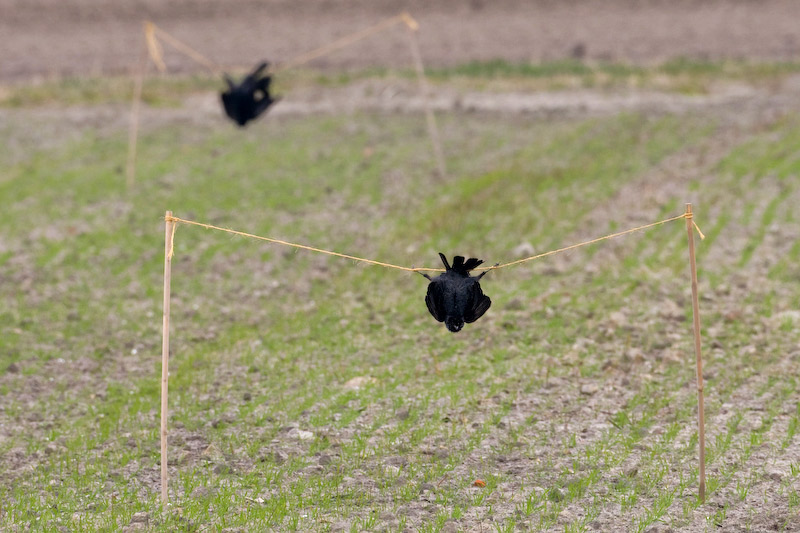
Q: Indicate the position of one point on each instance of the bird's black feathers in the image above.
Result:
(455, 297)
(460, 266)
(247, 100)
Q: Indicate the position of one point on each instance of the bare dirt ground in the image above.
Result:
(43, 38)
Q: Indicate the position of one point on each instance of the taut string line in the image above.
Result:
(348, 40)
(177, 221)
(155, 51)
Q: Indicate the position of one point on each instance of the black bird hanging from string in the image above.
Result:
(455, 297)
(247, 100)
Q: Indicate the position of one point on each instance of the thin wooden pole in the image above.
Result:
(154, 48)
(133, 129)
(430, 118)
(168, 234)
(701, 430)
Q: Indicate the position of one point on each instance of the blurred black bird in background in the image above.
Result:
(246, 101)
(455, 297)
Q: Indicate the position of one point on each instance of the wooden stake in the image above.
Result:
(133, 129)
(168, 233)
(701, 431)
(430, 118)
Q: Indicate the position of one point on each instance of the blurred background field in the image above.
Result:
(312, 393)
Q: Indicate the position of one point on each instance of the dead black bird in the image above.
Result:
(455, 297)
(247, 100)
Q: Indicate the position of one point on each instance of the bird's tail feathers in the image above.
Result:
(459, 265)
(259, 68)
(471, 263)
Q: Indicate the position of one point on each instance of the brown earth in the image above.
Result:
(43, 38)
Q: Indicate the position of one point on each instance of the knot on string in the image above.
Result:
(690, 217)
(171, 235)
(700, 233)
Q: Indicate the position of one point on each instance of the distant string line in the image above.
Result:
(177, 221)
(152, 32)
(348, 40)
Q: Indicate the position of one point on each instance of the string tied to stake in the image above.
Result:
(690, 217)
(176, 221)
(169, 245)
(172, 237)
(152, 32)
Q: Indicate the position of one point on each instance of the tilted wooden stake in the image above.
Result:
(168, 233)
(430, 118)
(701, 429)
(133, 126)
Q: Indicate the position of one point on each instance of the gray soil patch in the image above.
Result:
(42, 38)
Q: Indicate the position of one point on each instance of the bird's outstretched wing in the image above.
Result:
(263, 85)
(435, 300)
(477, 304)
(237, 107)
(228, 103)
(262, 105)
(258, 70)
(251, 82)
